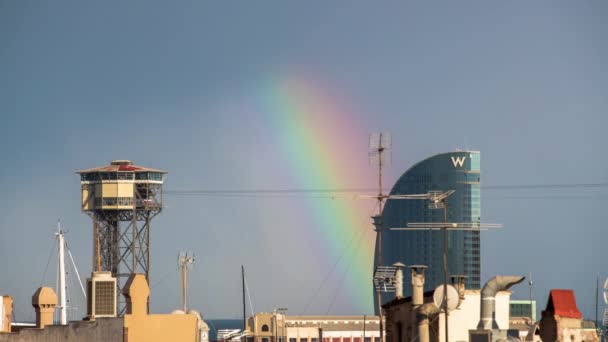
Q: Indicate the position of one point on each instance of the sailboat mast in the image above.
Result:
(61, 242)
(244, 308)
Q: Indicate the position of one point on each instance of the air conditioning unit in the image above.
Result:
(101, 295)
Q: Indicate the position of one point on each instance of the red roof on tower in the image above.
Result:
(563, 303)
(121, 165)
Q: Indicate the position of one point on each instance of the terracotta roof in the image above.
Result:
(121, 165)
(563, 303)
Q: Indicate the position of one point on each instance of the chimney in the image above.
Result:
(417, 285)
(399, 280)
(458, 281)
(6, 310)
(44, 302)
(137, 292)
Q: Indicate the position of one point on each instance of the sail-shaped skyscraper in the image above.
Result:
(459, 171)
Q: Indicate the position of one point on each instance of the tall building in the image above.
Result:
(459, 171)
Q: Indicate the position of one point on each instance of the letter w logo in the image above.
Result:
(458, 161)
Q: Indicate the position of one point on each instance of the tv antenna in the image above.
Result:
(389, 278)
(379, 144)
(184, 261)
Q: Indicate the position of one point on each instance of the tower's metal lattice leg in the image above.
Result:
(124, 239)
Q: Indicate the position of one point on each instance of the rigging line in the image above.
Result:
(331, 270)
(47, 263)
(75, 270)
(331, 304)
(161, 279)
(249, 296)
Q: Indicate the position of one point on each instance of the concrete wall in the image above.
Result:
(466, 317)
(161, 328)
(101, 330)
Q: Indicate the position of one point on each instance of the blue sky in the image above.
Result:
(84, 83)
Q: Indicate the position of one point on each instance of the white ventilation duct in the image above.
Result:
(487, 319)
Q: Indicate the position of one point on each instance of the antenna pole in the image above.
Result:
(378, 144)
(183, 267)
(445, 266)
(597, 288)
(62, 285)
(530, 283)
(244, 308)
(184, 261)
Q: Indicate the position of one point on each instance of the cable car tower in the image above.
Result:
(121, 199)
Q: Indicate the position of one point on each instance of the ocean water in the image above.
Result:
(219, 324)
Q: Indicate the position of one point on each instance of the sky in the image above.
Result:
(283, 95)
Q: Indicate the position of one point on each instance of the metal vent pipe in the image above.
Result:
(422, 320)
(399, 280)
(417, 285)
(487, 319)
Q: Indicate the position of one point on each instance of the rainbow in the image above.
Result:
(324, 145)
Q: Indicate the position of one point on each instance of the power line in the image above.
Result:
(363, 229)
(317, 192)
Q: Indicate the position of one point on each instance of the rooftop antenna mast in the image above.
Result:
(379, 144)
(438, 200)
(185, 260)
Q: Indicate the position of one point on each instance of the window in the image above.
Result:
(125, 175)
(264, 339)
(265, 327)
(292, 339)
(303, 339)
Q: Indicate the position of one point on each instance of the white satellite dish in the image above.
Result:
(453, 297)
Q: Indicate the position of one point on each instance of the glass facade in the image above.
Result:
(459, 171)
(523, 308)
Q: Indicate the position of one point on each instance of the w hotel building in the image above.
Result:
(459, 171)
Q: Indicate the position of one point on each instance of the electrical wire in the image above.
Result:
(48, 262)
(331, 270)
(248, 295)
(302, 192)
(335, 295)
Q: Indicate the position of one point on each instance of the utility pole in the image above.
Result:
(184, 261)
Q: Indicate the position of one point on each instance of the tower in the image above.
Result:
(121, 199)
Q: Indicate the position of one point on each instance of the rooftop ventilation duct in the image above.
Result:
(488, 299)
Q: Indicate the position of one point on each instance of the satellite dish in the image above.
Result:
(453, 297)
